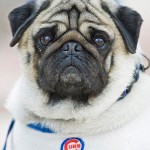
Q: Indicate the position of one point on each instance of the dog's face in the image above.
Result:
(70, 48)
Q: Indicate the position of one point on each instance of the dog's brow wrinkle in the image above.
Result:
(89, 21)
(55, 22)
(55, 14)
(92, 14)
(74, 15)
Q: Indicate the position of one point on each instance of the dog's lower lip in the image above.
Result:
(71, 75)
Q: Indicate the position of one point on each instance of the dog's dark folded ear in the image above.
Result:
(129, 24)
(22, 17)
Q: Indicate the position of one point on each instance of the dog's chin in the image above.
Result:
(70, 82)
(71, 76)
(70, 86)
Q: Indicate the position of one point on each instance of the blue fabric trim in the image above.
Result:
(9, 130)
(39, 127)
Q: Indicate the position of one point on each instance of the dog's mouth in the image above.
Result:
(70, 85)
(70, 76)
(71, 73)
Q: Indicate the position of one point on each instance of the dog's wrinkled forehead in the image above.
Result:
(74, 14)
(80, 4)
(91, 7)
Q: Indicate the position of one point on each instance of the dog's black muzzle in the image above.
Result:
(71, 71)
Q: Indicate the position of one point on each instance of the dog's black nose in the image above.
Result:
(72, 48)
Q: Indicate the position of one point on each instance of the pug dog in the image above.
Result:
(83, 85)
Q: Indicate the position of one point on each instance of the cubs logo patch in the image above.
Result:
(73, 144)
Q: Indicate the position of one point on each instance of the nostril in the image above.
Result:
(65, 47)
(78, 48)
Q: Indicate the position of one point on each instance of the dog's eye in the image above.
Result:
(45, 40)
(100, 41)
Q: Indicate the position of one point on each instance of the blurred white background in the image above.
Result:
(9, 63)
